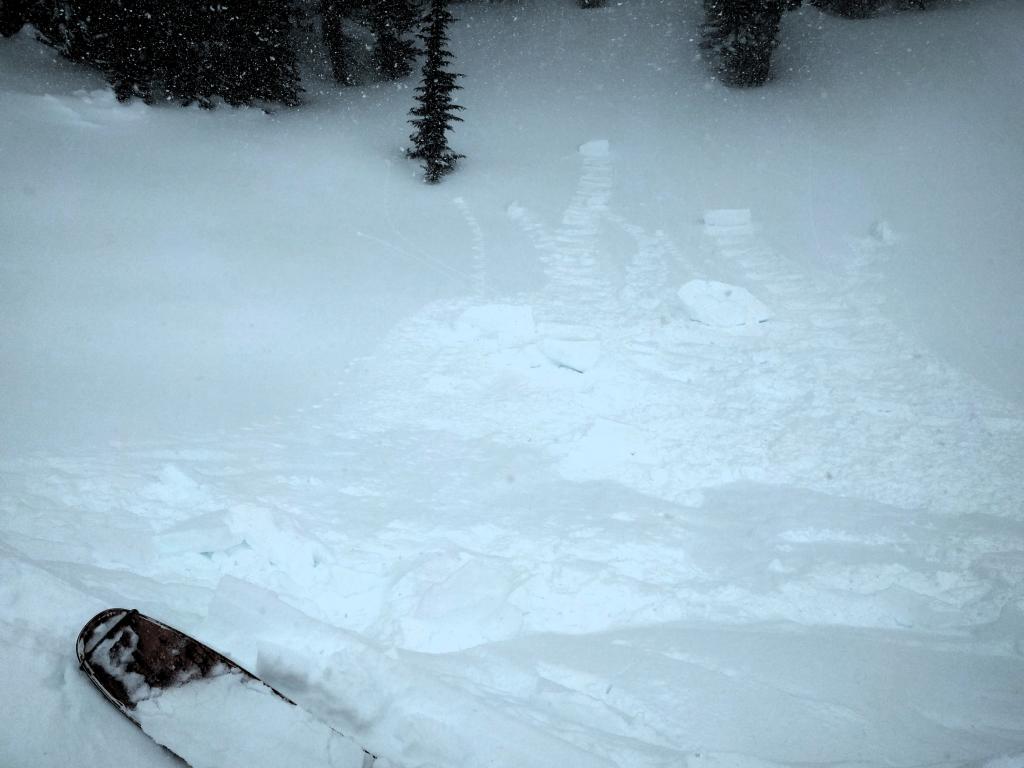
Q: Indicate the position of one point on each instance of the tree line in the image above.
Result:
(239, 53)
(740, 36)
(202, 51)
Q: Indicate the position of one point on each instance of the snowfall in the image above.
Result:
(681, 426)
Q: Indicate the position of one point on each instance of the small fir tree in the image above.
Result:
(435, 111)
(393, 22)
(741, 35)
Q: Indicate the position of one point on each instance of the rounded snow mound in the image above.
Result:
(721, 305)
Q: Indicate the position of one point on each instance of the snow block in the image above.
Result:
(578, 355)
(595, 148)
(511, 323)
(882, 232)
(206, 533)
(721, 305)
(570, 346)
(727, 217)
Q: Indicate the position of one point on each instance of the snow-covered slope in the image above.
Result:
(681, 426)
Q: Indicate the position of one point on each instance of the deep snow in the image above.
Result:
(681, 426)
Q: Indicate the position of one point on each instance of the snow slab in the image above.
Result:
(721, 305)
(595, 148)
(230, 720)
(727, 217)
(579, 356)
(402, 712)
(508, 323)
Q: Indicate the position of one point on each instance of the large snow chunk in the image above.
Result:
(577, 355)
(576, 347)
(176, 489)
(205, 533)
(595, 148)
(511, 323)
(727, 217)
(721, 305)
(882, 232)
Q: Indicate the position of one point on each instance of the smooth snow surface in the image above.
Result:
(682, 426)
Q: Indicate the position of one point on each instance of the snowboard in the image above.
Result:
(199, 704)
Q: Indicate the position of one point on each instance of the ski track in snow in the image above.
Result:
(437, 522)
(479, 246)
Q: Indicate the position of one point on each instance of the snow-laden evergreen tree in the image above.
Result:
(13, 15)
(122, 38)
(133, 40)
(336, 42)
(394, 23)
(191, 74)
(740, 36)
(190, 51)
(435, 111)
(851, 9)
(263, 65)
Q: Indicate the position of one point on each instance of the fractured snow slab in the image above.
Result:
(229, 720)
(721, 305)
(576, 347)
(577, 355)
(208, 532)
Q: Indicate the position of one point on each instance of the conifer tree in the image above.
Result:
(392, 23)
(435, 111)
(262, 64)
(191, 51)
(13, 15)
(741, 35)
(851, 9)
(121, 38)
(196, 44)
(336, 42)
(590, 3)
(132, 46)
(67, 26)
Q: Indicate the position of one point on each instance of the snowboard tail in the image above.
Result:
(117, 644)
